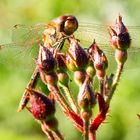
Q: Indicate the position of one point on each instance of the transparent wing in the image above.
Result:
(27, 35)
(87, 32)
(17, 56)
(24, 46)
(25, 41)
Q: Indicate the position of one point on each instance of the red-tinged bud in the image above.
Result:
(86, 100)
(99, 59)
(49, 79)
(120, 56)
(119, 36)
(76, 57)
(100, 74)
(45, 61)
(42, 107)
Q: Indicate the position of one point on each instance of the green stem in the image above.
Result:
(60, 99)
(115, 82)
(70, 98)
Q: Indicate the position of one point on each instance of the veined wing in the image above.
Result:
(27, 35)
(16, 55)
(87, 32)
(24, 45)
(100, 33)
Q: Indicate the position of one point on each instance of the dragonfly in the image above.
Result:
(51, 34)
(25, 40)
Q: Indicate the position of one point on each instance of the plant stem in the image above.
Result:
(64, 105)
(48, 133)
(101, 86)
(60, 99)
(115, 82)
(86, 129)
(58, 135)
(70, 98)
(92, 135)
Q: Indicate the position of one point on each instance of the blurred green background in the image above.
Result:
(122, 122)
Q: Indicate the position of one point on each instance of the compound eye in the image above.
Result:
(70, 25)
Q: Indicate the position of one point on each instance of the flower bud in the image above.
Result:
(79, 77)
(41, 106)
(45, 61)
(76, 57)
(86, 98)
(51, 78)
(99, 59)
(119, 36)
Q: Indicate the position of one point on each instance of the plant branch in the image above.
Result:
(70, 98)
(86, 129)
(115, 82)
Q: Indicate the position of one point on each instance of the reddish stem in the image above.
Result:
(92, 135)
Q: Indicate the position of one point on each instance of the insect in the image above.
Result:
(54, 34)
(52, 37)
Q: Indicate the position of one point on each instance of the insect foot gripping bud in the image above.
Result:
(76, 57)
(99, 59)
(119, 36)
(41, 107)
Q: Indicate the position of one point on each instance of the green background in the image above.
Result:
(122, 122)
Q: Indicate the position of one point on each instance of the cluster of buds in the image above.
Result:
(54, 65)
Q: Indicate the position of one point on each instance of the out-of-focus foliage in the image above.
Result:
(122, 122)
